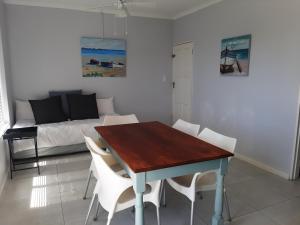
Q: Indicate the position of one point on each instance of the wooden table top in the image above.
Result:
(153, 145)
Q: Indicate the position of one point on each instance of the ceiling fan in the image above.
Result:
(121, 7)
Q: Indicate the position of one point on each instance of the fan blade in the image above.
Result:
(124, 7)
(142, 4)
(102, 6)
(126, 10)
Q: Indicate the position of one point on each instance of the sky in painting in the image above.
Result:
(102, 43)
(242, 42)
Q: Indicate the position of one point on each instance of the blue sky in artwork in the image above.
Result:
(236, 43)
(102, 43)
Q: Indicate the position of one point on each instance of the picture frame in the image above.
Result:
(103, 57)
(235, 56)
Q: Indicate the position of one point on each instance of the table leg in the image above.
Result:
(37, 155)
(218, 217)
(11, 161)
(139, 209)
(139, 188)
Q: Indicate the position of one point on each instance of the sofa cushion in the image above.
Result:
(23, 110)
(82, 107)
(106, 106)
(48, 110)
(64, 99)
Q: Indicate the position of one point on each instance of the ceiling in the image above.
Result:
(168, 9)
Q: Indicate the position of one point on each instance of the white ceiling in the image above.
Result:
(169, 9)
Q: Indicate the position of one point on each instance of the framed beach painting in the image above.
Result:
(103, 57)
(235, 56)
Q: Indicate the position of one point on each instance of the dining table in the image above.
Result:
(150, 151)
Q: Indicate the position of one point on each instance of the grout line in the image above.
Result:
(257, 211)
(61, 205)
(270, 218)
(261, 211)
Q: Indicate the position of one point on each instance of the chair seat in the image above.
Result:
(99, 142)
(116, 167)
(203, 182)
(127, 199)
(129, 194)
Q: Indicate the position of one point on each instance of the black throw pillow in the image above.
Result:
(82, 107)
(48, 110)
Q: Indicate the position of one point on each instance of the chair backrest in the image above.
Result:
(109, 185)
(219, 140)
(186, 127)
(116, 120)
(93, 147)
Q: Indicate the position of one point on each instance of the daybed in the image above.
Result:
(58, 138)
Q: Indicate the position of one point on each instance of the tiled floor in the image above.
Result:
(55, 198)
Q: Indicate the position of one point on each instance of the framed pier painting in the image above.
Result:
(235, 56)
(103, 57)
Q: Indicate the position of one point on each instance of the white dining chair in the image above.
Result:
(185, 127)
(94, 147)
(189, 185)
(115, 193)
(108, 120)
(119, 119)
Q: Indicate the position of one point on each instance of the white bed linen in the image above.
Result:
(58, 134)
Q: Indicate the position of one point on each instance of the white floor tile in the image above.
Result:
(287, 213)
(55, 198)
(256, 218)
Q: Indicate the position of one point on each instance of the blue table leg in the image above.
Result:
(218, 217)
(139, 188)
(139, 209)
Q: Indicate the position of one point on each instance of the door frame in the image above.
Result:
(192, 78)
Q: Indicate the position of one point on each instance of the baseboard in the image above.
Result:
(262, 165)
(3, 181)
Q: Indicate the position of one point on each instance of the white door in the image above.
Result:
(182, 81)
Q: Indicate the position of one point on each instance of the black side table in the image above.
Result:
(21, 134)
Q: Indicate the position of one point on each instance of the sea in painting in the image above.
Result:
(102, 57)
(235, 56)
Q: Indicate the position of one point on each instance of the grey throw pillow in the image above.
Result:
(64, 100)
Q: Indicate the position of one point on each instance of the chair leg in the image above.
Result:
(163, 194)
(157, 214)
(87, 184)
(97, 210)
(192, 213)
(164, 197)
(109, 219)
(161, 190)
(90, 209)
(227, 205)
(164, 204)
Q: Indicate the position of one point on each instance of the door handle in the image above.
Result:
(173, 84)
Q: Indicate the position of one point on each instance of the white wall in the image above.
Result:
(261, 109)
(45, 55)
(5, 79)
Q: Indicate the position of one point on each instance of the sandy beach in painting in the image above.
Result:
(98, 71)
